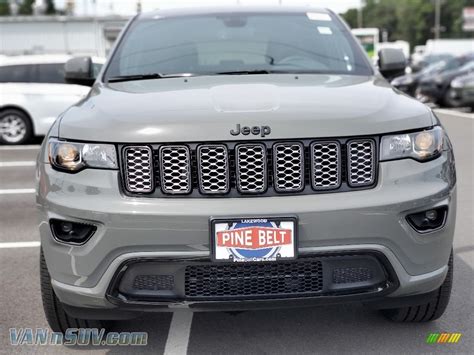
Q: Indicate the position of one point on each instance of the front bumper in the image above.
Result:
(432, 90)
(131, 228)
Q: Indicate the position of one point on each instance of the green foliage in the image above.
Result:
(50, 8)
(411, 20)
(4, 8)
(26, 8)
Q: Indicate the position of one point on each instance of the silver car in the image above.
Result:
(239, 158)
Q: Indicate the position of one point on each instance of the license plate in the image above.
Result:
(253, 239)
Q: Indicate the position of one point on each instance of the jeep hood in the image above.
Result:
(206, 108)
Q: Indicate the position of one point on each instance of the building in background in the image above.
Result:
(59, 34)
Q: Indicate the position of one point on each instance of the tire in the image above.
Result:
(15, 127)
(429, 311)
(450, 100)
(57, 318)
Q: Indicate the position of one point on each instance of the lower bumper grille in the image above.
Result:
(238, 280)
(201, 280)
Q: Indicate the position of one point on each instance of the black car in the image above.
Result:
(436, 88)
(409, 83)
(462, 90)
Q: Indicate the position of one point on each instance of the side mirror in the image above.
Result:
(392, 62)
(79, 70)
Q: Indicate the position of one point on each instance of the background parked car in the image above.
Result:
(436, 88)
(33, 92)
(420, 62)
(409, 83)
(462, 90)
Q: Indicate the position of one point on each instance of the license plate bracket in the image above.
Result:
(253, 239)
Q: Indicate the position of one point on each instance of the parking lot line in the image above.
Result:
(178, 334)
(15, 245)
(17, 191)
(9, 164)
(19, 147)
(456, 113)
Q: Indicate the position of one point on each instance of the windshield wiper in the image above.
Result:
(246, 72)
(119, 78)
(116, 79)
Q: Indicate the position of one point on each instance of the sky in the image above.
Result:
(128, 7)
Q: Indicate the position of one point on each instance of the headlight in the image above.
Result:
(457, 84)
(404, 80)
(439, 80)
(420, 146)
(73, 157)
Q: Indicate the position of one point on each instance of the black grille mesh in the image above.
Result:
(351, 275)
(153, 282)
(300, 277)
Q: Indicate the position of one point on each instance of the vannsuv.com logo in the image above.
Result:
(75, 336)
(443, 338)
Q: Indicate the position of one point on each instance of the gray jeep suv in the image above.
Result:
(243, 158)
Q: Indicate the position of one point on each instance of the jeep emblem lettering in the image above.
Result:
(255, 130)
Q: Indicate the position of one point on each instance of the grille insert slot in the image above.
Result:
(213, 165)
(175, 169)
(288, 164)
(361, 159)
(325, 165)
(138, 169)
(251, 168)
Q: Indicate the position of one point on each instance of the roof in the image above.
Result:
(231, 9)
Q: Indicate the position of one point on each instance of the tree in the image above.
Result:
(26, 8)
(50, 8)
(4, 8)
(412, 20)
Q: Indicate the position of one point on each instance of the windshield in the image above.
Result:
(467, 66)
(213, 44)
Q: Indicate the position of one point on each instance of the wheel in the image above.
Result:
(451, 99)
(15, 127)
(429, 311)
(57, 318)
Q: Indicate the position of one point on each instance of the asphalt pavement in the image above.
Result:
(323, 330)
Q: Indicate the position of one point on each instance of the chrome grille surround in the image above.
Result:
(361, 162)
(138, 169)
(288, 166)
(251, 161)
(213, 166)
(175, 169)
(325, 165)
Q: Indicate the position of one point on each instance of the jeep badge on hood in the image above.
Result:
(255, 130)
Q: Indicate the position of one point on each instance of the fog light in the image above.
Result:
(429, 220)
(71, 232)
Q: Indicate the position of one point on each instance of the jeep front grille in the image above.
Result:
(244, 169)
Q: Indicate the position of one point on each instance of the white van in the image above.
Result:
(33, 93)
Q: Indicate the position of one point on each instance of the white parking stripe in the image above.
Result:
(456, 113)
(9, 164)
(19, 147)
(178, 334)
(17, 191)
(15, 245)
